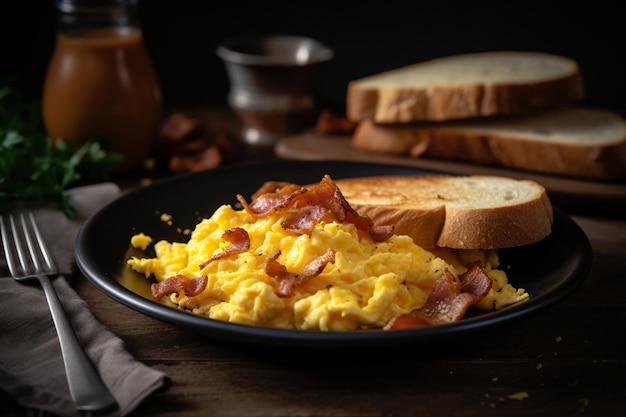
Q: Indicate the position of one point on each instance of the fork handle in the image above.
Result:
(87, 389)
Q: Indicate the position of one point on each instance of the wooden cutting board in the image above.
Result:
(572, 194)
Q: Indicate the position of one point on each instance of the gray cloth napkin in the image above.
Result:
(31, 366)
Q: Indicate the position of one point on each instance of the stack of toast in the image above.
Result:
(512, 109)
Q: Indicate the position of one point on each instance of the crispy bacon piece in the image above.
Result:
(303, 220)
(288, 281)
(406, 321)
(327, 199)
(328, 195)
(177, 283)
(190, 145)
(280, 187)
(239, 242)
(198, 160)
(178, 126)
(330, 122)
(476, 281)
(449, 300)
(270, 202)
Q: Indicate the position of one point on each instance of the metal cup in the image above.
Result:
(273, 79)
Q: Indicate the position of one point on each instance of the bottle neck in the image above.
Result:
(76, 15)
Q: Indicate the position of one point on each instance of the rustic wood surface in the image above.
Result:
(565, 361)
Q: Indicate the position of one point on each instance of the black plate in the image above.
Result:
(549, 270)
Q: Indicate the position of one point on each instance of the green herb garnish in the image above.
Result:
(33, 166)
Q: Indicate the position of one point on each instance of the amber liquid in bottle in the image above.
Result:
(101, 81)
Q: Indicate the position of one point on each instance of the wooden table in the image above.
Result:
(567, 360)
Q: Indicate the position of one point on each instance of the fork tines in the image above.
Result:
(24, 247)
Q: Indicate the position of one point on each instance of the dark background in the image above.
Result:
(367, 37)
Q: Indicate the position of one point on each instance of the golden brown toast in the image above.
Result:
(458, 212)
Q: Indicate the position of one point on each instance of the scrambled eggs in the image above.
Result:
(364, 287)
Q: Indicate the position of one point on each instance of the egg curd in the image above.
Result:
(364, 287)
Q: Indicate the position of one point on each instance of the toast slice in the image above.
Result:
(579, 142)
(457, 212)
(466, 86)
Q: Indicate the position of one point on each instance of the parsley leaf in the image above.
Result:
(34, 167)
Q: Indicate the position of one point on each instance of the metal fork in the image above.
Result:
(28, 258)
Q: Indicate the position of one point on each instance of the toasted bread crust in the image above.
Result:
(406, 102)
(522, 142)
(458, 212)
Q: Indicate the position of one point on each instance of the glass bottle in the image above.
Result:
(101, 80)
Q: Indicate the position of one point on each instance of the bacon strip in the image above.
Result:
(449, 300)
(476, 281)
(177, 283)
(272, 196)
(329, 196)
(325, 196)
(303, 220)
(239, 242)
(288, 281)
(281, 187)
